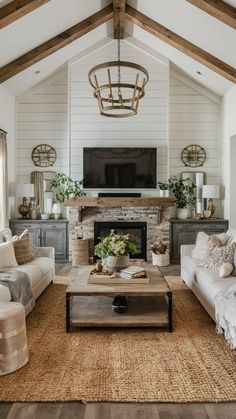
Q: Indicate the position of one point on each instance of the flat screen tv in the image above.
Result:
(119, 168)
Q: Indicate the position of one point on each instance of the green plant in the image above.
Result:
(164, 186)
(115, 245)
(183, 190)
(66, 188)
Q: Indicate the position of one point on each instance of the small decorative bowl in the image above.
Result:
(45, 216)
(57, 216)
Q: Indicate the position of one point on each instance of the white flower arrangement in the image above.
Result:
(115, 245)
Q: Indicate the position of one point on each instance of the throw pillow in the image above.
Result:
(22, 248)
(5, 235)
(222, 238)
(7, 255)
(204, 245)
(220, 255)
(226, 269)
(200, 250)
(231, 233)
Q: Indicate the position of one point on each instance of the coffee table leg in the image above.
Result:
(67, 313)
(170, 328)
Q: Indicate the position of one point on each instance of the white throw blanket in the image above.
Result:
(225, 306)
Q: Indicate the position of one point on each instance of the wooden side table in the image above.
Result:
(80, 252)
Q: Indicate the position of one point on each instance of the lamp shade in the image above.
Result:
(25, 190)
(210, 191)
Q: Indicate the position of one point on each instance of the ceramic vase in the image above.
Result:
(116, 263)
(57, 210)
(164, 193)
(182, 213)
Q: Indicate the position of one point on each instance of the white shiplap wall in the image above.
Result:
(42, 118)
(174, 113)
(147, 129)
(194, 119)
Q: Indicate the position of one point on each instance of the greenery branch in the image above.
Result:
(66, 188)
(183, 190)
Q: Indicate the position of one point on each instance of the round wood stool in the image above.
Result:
(13, 339)
(80, 252)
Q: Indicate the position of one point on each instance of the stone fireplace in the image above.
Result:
(137, 231)
(156, 222)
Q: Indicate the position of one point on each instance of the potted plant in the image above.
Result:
(183, 190)
(116, 249)
(164, 189)
(65, 188)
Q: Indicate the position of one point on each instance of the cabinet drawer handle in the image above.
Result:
(26, 225)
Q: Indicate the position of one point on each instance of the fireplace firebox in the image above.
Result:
(136, 230)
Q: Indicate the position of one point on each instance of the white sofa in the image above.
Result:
(41, 270)
(204, 283)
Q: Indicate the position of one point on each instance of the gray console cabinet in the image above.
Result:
(185, 232)
(45, 233)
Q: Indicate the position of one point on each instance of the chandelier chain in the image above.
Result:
(118, 53)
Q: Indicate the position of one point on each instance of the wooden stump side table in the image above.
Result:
(80, 252)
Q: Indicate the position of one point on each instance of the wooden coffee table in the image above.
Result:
(90, 305)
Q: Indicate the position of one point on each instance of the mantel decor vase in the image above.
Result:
(116, 263)
(57, 210)
(182, 213)
(164, 193)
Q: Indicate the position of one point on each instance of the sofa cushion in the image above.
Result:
(220, 255)
(208, 281)
(231, 233)
(226, 270)
(22, 248)
(5, 235)
(204, 245)
(37, 268)
(7, 255)
(193, 266)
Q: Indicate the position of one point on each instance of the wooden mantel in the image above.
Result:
(90, 201)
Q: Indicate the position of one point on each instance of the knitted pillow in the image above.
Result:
(226, 270)
(22, 248)
(220, 255)
(204, 245)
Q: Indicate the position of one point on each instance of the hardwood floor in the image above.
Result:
(77, 410)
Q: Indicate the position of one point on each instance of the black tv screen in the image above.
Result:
(119, 168)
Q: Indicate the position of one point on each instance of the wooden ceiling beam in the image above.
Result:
(17, 9)
(56, 43)
(180, 43)
(218, 9)
(118, 17)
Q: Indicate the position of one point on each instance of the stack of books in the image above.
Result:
(133, 272)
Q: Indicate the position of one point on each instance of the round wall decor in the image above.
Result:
(193, 156)
(43, 155)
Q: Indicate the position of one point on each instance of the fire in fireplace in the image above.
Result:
(136, 230)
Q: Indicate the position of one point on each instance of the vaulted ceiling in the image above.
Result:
(199, 22)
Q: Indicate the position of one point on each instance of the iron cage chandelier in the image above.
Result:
(115, 98)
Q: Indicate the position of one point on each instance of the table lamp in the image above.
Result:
(24, 190)
(210, 192)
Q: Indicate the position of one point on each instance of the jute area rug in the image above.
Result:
(192, 364)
